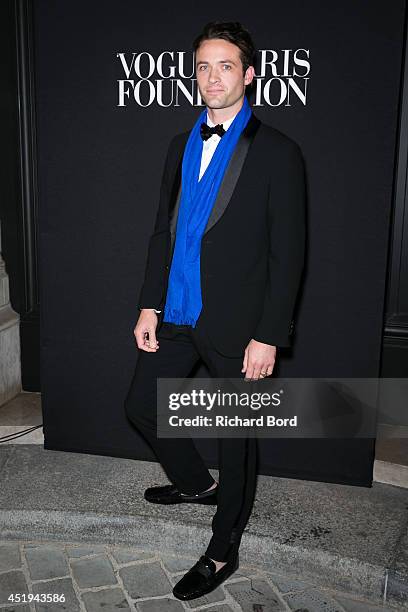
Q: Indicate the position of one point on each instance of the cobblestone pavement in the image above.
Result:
(92, 578)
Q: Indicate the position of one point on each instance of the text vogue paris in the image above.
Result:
(168, 80)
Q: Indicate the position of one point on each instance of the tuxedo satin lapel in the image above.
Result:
(233, 172)
(176, 195)
(175, 198)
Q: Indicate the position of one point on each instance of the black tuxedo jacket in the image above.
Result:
(252, 250)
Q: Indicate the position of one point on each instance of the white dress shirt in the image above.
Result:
(209, 147)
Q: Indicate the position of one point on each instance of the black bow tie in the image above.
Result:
(206, 131)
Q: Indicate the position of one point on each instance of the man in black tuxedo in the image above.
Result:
(251, 259)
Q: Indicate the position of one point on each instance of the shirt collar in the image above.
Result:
(225, 124)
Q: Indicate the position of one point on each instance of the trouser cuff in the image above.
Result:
(222, 550)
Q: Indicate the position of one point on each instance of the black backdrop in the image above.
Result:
(99, 169)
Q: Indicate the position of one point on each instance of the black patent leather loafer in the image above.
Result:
(169, 494)
(202, 578)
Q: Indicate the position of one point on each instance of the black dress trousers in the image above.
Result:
(180, 348)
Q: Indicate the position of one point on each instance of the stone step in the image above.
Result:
(351, 539)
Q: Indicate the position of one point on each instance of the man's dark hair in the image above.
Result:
(233, 32)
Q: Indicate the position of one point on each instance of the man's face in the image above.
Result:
(220, 75)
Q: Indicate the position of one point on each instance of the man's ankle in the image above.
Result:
(213, 486)
(218, 564)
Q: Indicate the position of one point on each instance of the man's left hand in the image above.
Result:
(259, 360)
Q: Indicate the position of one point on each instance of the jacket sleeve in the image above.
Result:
(152, 291)
(286, 228)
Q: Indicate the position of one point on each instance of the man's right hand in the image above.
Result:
(145, 331)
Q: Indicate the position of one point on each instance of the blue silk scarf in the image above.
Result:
(183, 300)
